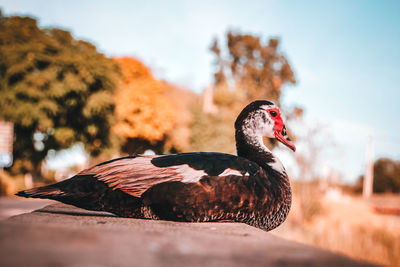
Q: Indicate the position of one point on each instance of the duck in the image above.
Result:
(251, 187)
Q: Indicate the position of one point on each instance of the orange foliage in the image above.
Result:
(141, 108)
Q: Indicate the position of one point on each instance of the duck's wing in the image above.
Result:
(136, 174)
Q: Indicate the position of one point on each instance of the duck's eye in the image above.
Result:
(273, 113)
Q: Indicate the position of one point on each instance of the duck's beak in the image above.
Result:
(284, 138)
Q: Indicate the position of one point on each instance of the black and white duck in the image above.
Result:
(252, 187)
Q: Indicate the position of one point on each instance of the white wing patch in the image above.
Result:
(229, 171)
(189, 174)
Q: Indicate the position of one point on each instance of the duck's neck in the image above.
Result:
(251, 146)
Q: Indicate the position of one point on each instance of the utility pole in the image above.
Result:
(369, 169)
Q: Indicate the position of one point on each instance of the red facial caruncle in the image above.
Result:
(280, 129)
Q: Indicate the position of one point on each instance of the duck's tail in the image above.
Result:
(88, 193)
(73, 191)
(50, 192)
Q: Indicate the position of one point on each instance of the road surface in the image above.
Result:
(11, 206)
(62, 235)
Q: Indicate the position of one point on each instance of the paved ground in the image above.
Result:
(11, 206)
(62, 235)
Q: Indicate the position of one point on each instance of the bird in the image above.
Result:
(251, 187)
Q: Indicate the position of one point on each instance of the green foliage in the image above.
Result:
(55, 88)
(212, 132)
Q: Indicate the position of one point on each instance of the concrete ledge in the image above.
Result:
(62, 235)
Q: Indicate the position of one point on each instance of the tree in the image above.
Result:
(386, 176)
(57, 90)
(251, 68)
(144, 116)
(245, 70)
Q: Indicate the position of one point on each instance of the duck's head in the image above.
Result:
(263, 118)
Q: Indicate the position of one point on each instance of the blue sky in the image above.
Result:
(345, 54)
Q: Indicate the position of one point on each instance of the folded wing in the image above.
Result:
(136, 174)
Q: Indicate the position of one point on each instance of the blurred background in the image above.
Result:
(83, 83)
